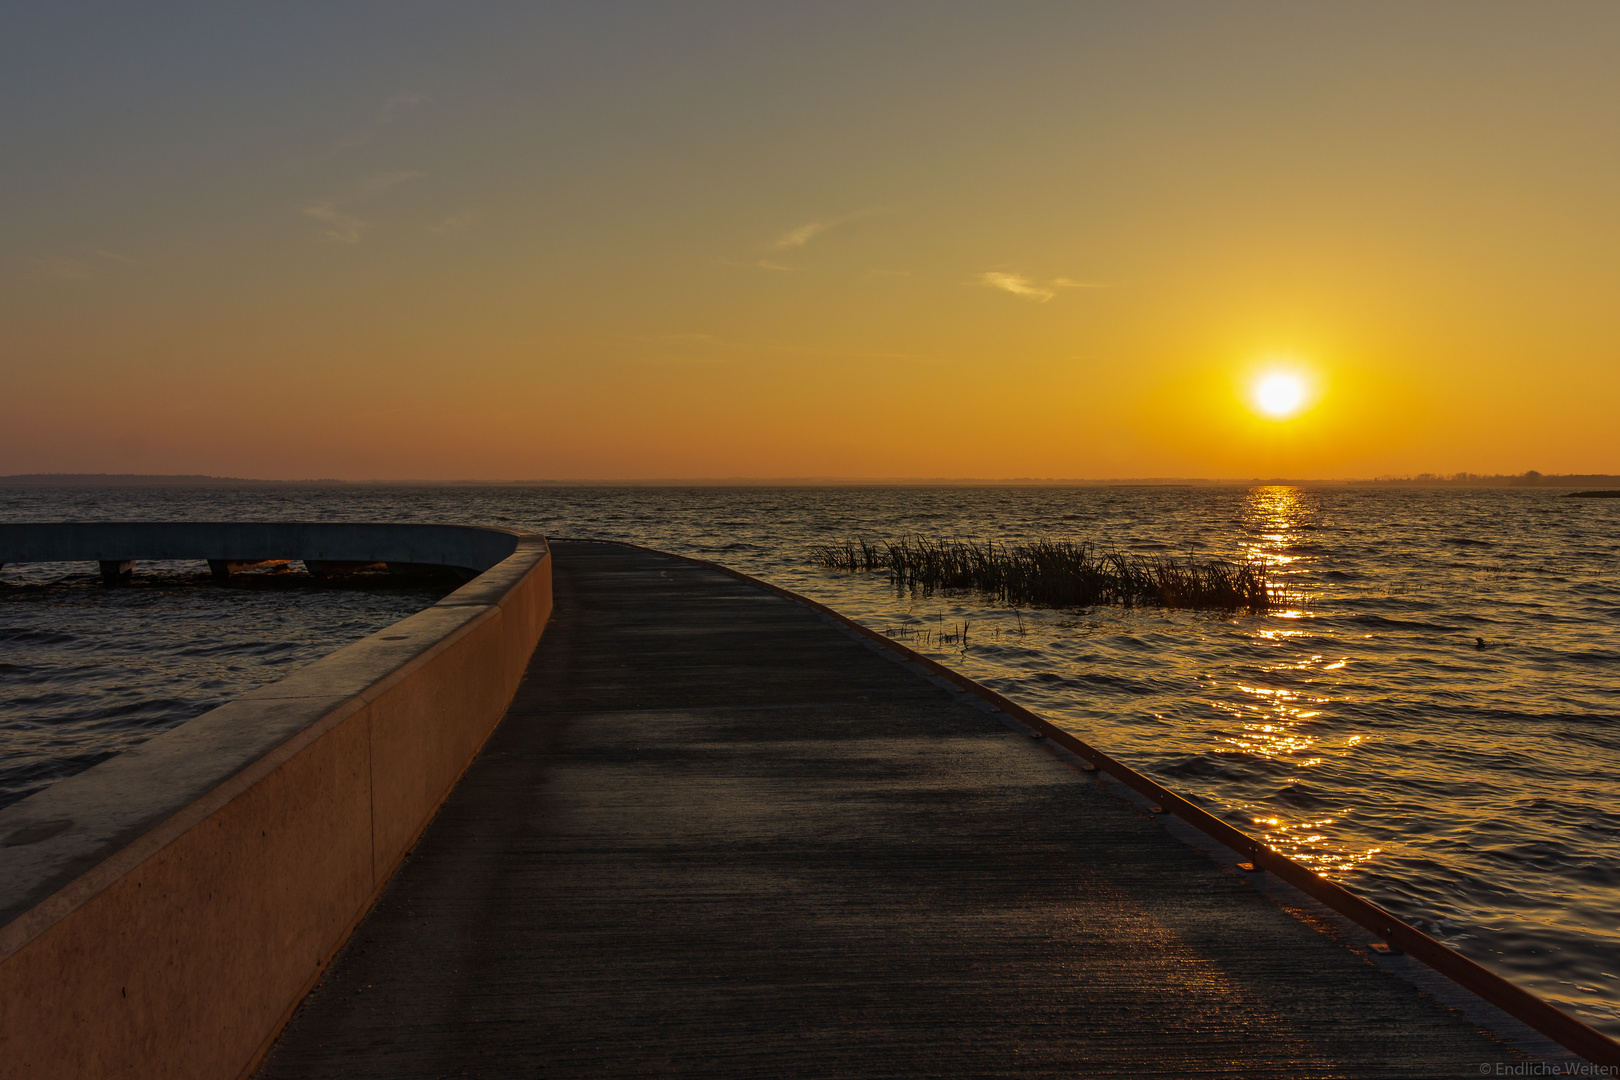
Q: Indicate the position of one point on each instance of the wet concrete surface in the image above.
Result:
(718, 836)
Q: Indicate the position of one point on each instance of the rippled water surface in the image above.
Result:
(1471, 789)
(87, 670)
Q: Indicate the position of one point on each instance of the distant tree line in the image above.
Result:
(1524, 479)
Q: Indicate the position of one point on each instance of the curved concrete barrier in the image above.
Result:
(162, 913)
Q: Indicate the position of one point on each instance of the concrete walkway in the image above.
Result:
(718, 836)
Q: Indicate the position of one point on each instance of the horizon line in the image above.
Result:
(1529, 479)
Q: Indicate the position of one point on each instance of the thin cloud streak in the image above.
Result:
(1041, 292)
(457, 223)
(756, 264)
(803, 234)
(381, 182)
(332, 211)
(799, 237)
(1017, 284)
(342, 227)
(386, 115)
(400, 100)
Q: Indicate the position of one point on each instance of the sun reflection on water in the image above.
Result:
(1273, 705)
(1273, 519)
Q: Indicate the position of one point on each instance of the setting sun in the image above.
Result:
(1280, 395)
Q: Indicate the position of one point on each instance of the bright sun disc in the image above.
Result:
(1279, 395)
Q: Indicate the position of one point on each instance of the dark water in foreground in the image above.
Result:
(87, 671)
(1473, 791)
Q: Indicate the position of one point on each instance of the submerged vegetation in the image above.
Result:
(1058, 574)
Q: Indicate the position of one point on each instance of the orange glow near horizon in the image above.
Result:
(558, 252)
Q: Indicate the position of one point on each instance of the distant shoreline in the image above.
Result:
(140, 480)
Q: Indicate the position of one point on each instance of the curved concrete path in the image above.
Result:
(718, 836)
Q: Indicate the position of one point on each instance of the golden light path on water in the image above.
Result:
(1276, 723)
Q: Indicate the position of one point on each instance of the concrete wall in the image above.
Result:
(162, 913)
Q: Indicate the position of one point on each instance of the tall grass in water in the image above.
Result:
(1057, 574)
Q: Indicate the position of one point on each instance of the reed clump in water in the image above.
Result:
(1058, 573)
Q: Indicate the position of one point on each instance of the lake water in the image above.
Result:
(1474, 791)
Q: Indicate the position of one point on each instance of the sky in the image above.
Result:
(704, 240)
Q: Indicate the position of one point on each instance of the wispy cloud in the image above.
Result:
(801, 236)
(336, 213)
(343, 227)
(390, 111)
(1039, 291)
(758, 264)
(375, 185)
(1017, 284)
(457, 223)
(400, 100)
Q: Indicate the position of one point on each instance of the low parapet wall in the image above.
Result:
(162, 913)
